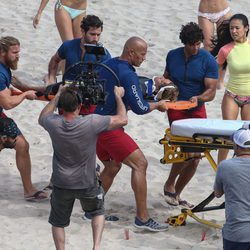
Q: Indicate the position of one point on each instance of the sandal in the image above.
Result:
(38, 197)
(170, 198)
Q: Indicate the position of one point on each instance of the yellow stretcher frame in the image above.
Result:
(177, 149)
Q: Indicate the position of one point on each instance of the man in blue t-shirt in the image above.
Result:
(116, 147)
(9, 56)
(195, 72)
(73, 51)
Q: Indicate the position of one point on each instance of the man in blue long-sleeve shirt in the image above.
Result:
(116, 147)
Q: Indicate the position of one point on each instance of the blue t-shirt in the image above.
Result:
(5, 79)
(189, 74)
(129, 80)
(72, 52)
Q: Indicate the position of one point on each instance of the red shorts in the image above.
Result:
(174, 115)
(88, 111)
(114, 145)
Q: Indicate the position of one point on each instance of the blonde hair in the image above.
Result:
(7, 41)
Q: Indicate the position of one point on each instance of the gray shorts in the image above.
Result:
(62, 202)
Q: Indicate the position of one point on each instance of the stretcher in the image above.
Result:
(189, 136)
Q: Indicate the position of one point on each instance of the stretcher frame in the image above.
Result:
(177, 149)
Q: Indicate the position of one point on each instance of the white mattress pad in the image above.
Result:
(189, 127)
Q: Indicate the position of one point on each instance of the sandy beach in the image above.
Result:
(24, 224)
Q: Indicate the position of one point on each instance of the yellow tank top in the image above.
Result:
(237, 56)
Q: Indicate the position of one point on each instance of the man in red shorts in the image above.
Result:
(195, 72)
(116, 147)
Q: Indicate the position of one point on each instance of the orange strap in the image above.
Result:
(181, 105)
(41, 98)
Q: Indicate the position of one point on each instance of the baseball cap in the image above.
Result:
(241, 138)
(8, 127)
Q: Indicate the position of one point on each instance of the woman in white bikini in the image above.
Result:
(68, 17)
(211, 13)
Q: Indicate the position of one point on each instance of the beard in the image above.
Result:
(9, 144)
(12, 64)
(90, 41)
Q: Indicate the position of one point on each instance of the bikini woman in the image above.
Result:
(211, 14)
(68, 17)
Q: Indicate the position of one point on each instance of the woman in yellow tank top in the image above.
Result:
(236, 55)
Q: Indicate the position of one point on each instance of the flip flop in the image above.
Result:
(185, 204)
(170, 198)
(37, 197)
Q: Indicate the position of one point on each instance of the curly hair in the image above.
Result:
(191, 33)
(91, 21)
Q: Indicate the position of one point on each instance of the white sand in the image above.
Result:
(24, 225)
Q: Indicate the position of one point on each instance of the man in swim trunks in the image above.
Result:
(116, 147)
(74, 160)
(9, 56)
(195, 72)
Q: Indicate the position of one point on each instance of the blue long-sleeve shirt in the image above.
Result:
(133, 98)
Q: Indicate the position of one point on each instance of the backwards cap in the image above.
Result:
(241, 138)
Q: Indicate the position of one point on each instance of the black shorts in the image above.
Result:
(62, 202)
(231, 245)
(3, 115)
